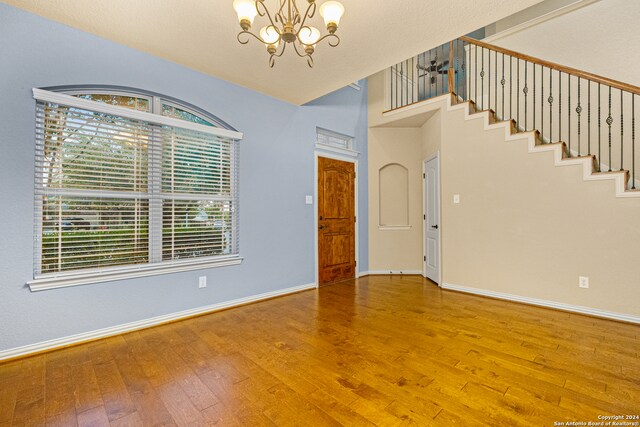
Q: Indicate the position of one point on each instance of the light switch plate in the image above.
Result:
(583, 282)
(456, 198)
(309, 200)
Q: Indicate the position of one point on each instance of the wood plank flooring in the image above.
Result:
(375, 351)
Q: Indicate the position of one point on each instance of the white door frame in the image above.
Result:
(344, 158)
(436, 156)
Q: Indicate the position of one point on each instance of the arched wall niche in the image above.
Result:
(394, 195)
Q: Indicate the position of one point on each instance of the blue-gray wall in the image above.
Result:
(277, 171)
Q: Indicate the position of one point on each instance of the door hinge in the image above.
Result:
(355, 219)
(355, 263)
(424, 258)
(424, 175)
(424, 217)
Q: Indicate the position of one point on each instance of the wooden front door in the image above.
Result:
(336, 220)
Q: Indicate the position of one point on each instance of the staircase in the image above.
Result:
(584, 119)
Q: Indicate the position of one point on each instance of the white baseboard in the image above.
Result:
(544, 303)
(141, 324)
(395, 272)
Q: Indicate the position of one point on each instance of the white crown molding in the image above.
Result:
(544, 303)
(146, 323)
(540, 19)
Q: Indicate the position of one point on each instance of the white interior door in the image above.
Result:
(432, 219)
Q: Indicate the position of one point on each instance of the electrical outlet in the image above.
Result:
(202, 282)
(583, 282)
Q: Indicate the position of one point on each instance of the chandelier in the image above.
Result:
(288, 26)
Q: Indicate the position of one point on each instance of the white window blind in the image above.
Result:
(117, 187)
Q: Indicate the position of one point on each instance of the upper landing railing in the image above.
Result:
(591, 114)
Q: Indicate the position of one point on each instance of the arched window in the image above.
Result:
(130, 183)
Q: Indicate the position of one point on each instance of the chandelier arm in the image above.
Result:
(284, 47)
(296, 49)
(272, 58)
(296, 14)
(267, 14)
(308, 14)
(278, 14)
(306, 55)
(261, 14)
(249, 33)
(332, 44)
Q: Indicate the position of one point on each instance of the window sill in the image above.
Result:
(63, 280)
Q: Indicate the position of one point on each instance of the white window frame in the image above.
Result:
(155, 266)
(349, 142)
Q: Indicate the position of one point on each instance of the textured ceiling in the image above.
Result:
(201, 34)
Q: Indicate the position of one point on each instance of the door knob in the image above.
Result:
(435, 226)
(321, 227)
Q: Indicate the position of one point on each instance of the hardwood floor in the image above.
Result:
(380, 350)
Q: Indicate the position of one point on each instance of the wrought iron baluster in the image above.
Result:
(455, 71)
(589, 117)
(609, 123)
(397, 87)
(502, 82)
(475, 76)
(510, 87)
(401, 83)
(464, 69)
(518, 93)
(525, 90)
(436, 72)
(489, 80)
(550, 100)
(621, 130)
(578, 111)
(633, 141)
(533, 103)
(569, 110)
(429, 79)
(406, 80)
(482, 79)
(424, 76)
(599, 132)
(542, 104)
(495, 78)
(442, 75)
(413, 79)
(560, 111)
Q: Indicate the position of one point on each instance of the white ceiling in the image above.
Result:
(201, 34)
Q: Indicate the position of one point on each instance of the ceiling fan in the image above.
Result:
(433, 69)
